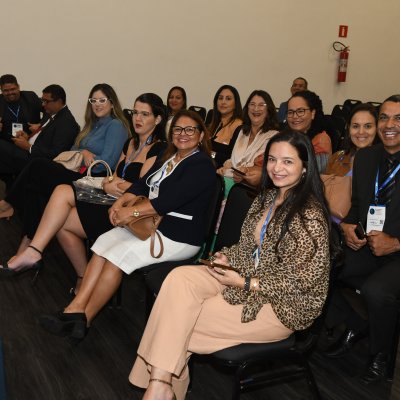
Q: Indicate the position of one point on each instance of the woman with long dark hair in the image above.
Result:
(360, 133)
(226, 118)
(279, 286)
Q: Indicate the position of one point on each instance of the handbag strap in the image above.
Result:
(108, 169)
(152, 243)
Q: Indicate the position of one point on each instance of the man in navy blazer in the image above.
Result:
(372, 263)
(19, 108)
(56, 133)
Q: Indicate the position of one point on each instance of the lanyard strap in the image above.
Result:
(16, 114)
(134, 154)
(264, 227)
(384, 184)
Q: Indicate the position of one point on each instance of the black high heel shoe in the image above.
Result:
(6, 271)
(72, 325)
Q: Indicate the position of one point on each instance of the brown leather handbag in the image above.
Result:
(145, 226)
(338, 194)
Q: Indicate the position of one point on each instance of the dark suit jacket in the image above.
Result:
(57, 136)
(31, 107)
(365, 168)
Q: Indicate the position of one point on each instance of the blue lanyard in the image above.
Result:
(13, 113)
(264, 228)
(132, 157)
(384, 184)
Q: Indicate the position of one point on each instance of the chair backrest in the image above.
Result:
(128, 115)
(237, 205)
(200, 110)
(209, 116)
(348, 106)
(376, 104)
(214, 207)
(337, 112)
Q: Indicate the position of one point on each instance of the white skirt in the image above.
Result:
(129, 253)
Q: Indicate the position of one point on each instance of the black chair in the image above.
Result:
(376, 104)
(334, 134)
(200, 110)
(348, 106)
(339, 123)
(240, 199)
(209, 117)
(155, 274)
(128, 115)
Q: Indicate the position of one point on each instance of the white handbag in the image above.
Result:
(95, 182)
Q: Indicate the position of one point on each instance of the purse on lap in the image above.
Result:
(90, 188)
(95, 181)
(71, 159)
(144, 227)
(338, 194)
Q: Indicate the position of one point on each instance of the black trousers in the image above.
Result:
(378, 279)
(12, 158)
(32, 190)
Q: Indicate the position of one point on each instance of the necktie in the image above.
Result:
(385, 195)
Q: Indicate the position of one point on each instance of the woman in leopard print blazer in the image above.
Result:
(279, 286)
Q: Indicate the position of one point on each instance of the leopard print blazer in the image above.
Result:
(295, 278)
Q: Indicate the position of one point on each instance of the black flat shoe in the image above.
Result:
(344, 344)
(72, 325)
(376, 369)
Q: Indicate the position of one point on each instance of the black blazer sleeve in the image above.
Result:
(58, 136)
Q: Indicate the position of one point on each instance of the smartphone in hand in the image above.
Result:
(238, 171)
(213, 264)
(360, 231)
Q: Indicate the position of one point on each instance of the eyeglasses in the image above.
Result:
(136, 113)
(46, 101)
(189, 130)
(102, 100)
(255, 105)
(300, 112)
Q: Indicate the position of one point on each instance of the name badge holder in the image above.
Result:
(377, 212)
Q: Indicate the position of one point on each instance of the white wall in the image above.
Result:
(150, 45)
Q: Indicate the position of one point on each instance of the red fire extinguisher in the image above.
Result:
(343, 60)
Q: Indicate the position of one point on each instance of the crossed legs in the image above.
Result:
(60, 218)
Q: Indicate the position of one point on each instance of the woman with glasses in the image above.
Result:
(259, 125)
(226, 118)
(178, 187)
(305, 115)
(102, 138)
(73, 220)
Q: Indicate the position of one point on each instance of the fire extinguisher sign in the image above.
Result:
(343, 30)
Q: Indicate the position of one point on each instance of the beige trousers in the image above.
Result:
(191, 316)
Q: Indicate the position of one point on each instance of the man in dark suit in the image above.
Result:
(18, 108)
(55, 134)
(372, 263)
